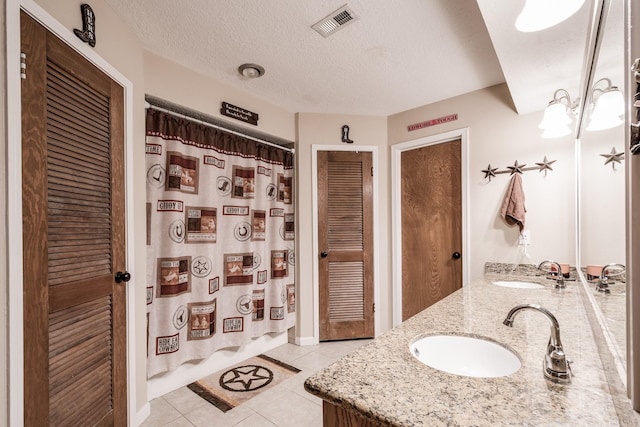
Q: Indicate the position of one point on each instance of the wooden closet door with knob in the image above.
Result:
(345, 231)
(431, 198)
(73, 237)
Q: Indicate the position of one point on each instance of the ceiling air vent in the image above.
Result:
(335, 21)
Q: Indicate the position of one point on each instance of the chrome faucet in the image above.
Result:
(556, 366)
(603, 281)
(559, 278)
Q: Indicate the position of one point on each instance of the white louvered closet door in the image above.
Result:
(345, 230)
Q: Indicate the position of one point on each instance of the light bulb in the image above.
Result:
(250, 72)
(555, 116)
(608, 110)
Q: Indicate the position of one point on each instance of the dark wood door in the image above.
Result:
(431, 225)
(73, 237)
(345, 244)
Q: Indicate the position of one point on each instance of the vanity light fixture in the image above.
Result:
(251, 71)
(538, 15)
(606, 110)
(607, 106)
(558, 115)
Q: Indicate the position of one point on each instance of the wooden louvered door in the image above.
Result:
(345, 237)
(73, 237)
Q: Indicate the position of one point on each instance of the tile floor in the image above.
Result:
(286, 404)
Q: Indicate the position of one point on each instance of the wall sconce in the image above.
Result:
(607, 106)
(538, 15)
(558, 115)
(606, 110)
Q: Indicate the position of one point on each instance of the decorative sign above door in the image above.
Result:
(433, 122)
(88, 33)
(238, 113)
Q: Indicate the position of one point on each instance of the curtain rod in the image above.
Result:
(184, 115)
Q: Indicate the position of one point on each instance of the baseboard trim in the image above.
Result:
(302, 341)
(143, 414)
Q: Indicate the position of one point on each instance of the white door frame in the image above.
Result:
(14, 200)
(315, 148)
(396, 208)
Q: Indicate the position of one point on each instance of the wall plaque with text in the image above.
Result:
(238, 113)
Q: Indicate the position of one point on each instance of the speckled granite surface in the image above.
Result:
(384, 382)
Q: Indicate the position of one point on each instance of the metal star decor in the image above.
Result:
(489, 172)
(545, 165)
(516, 168)
(613, 157)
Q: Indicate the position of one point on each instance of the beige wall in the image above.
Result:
(325, 129)
(498, 136)
(167, 80)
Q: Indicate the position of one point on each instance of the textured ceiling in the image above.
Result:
(398, 55)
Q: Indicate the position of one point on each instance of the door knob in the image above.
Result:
(122, 276)
(323, 254)
(456, 255)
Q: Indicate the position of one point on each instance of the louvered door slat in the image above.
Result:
(346, 295)
(83, 95)
(344, 211)
(90, 354)
(76, 314)
(79, 359)
(79, 138)
(64, 159)
(61, 252)
(59, 183)
(88, 171)
(65, 120)
(85, 108)
(60, 130)
(58, 209)
(63, 111)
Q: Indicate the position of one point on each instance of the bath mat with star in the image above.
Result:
(230, 387)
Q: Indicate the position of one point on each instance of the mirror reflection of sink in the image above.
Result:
(518, 284)
(465, 355)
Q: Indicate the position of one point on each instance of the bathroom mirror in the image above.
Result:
(601, 177)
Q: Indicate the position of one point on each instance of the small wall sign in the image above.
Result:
(88, 33)
(433, 122)
(345, 135)
(238, 113)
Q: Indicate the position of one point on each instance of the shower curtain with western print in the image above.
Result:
(220, 240)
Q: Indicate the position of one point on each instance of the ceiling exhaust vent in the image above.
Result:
(335, 21)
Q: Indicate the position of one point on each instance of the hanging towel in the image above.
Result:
(513, 209)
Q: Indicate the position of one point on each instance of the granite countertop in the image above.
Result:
(386, 384)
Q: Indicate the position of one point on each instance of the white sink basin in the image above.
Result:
(518, 284)
(465, 355)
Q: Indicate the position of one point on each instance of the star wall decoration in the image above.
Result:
(545, 165)
(516, 168)
(489, 172)
(613, 157)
